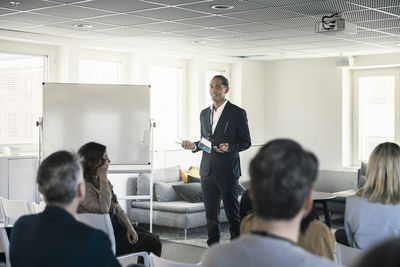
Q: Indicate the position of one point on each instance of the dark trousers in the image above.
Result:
(341, 237)
(214, 189)
(147, 241)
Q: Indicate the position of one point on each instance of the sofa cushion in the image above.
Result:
(172, 206)
(165, 192)
(189, 192)
(191, 179)
(167, 175)
(193, 171)
(143, 184)
(131, 188)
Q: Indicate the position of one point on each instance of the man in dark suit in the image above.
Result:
(224, 133)
(54, 237)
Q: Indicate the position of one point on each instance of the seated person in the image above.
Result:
(282, 175)
(386, 254)
(100, 198)
(373, 214)
(314, 236)
(54, 237)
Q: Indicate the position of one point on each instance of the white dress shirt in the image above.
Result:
(216, 114)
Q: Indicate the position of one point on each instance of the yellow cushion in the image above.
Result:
(194, 171)
(183, 175)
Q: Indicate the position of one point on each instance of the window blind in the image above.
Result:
(21, 78)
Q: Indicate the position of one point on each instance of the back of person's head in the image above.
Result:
(92, 158)
(386, 254)
(282, 174)
(58, 177)
(383, 175)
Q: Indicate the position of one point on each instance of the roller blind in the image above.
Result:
(21, 78)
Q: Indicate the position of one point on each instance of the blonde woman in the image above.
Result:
(373, 214)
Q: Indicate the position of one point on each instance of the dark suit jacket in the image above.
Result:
(231, 128)
(55, 238)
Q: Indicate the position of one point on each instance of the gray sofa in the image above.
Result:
(168, 210)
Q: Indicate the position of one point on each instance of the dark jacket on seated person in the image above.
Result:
(56, 238)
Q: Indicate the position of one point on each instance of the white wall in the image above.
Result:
(303, 101)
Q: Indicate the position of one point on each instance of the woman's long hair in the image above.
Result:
(383, 175)
(92, 158)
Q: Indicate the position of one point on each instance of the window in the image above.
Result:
(21, 78)
(209, 75)
(101, 72)
(376, 106)
(166, 87)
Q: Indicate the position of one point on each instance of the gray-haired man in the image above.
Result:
(54, 237)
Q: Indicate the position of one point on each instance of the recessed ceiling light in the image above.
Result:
(15, 3)
(199, 42)
(83, 26)
(222, 7)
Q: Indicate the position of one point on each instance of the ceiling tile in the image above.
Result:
(89, 35)
(68, 1)
(32, 18)
(7, 11)
(280, 3)
(323, 7)
(293, 46)
(241, 45)
(238, 6)
(264, 15)
(382, 40)
(48, 30)
(375, 3)
(395, 31)
(126, 31)
(395, 10)
(363, 35)
(71, 25)
(72, 12)
(169, 13)
(123, 20)
(203, 33)
(26, 4)
(380, 24)
(12, 25)
(239, 37)
(212, 21)
(295, 23)
(168, 27)
(365, 15)
(119, 5)
(250, 28)
(311, 37)
(270, 42)
(280, 33)
(174, 2)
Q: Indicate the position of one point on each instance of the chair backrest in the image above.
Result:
(347, 256)
(101, 222)
(13, 209)
(38, 208)
(361, 175)
(5, 243)
(156, 261)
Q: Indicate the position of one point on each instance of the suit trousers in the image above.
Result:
(146, 241)
(214, 189)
